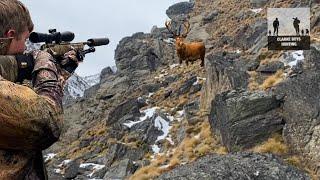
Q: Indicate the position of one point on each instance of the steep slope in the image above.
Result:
(153, 115)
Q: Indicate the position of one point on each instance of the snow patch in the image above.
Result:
(163, 126)
(174, 65)
(58, 171)
(256, 10)
(94, 168)
(297, 56)
(150, 94)
(169, 41)
(49, 157)
(148, 114)
(65, 162)
(93, 79)
(292, 58)
(155, 148)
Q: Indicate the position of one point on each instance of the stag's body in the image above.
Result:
(188, 52)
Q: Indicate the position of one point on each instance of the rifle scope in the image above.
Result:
(53, 36)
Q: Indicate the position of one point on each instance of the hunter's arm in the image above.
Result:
(32, 119)
(9, 68)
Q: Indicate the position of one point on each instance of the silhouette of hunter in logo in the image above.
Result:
(296, 23)
(276, 27)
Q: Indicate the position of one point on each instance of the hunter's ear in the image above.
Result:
(10, 34)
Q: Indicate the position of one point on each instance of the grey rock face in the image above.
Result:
(224, 72)
(190, 111)
(236, 166)
(249, 35)
(245, 118)
(72, 170)
(271, 67)
(210, 17)
(120, 170)
(186, 86)
(140, 54)
(302, 108)
(105, 73)
(124, 111)
(258, 3)
(120, 151)
(181, 8)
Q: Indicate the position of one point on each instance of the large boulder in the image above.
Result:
(128, 110)
(243, 118)
(236, 166)
(121, 170)
(225, 71)
(181, 8)
(140, 54)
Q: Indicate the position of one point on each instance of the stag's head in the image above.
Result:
(179, 37)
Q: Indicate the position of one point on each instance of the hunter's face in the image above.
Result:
(17, 45)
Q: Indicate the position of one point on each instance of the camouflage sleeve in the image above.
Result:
(8, 68)
(32, 119)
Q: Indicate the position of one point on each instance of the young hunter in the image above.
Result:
(30, 118)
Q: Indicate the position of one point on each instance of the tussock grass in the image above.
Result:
(272, 80)
(274, 145)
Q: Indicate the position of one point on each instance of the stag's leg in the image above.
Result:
(180, 61)
(202, 58)
(187, 62)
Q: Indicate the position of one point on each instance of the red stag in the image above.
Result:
(189, 52)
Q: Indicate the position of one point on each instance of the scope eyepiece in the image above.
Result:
(56, 37)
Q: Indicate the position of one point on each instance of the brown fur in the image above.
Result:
(190, 52)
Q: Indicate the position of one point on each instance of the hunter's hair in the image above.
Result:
(14, 15)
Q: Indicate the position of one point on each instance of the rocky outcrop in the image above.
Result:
(224, 72)
(236, 166)
(179, 9)
(243, 119)
(121, 170)
(141, 53)
(249, 35)
(271, 67)
(301, 109)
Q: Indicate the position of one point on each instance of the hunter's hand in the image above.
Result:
(68, 64)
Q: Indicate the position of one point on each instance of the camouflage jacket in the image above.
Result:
(30, 119)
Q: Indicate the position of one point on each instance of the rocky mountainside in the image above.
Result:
(249, 113)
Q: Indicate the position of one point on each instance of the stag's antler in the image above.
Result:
(186, 29)
(169, 27)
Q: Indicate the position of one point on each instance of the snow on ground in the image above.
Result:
(155, 148)
(49, 156)
(163, 126)
(256, 10)
(148, 114)
(297, 56)
(65, 162)
(94, 167)
(169, 40)
(198, 79)
(174, 65)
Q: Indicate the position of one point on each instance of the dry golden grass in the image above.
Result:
(198, 142)
(272, 80)
(274, 145)
(253, 84)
